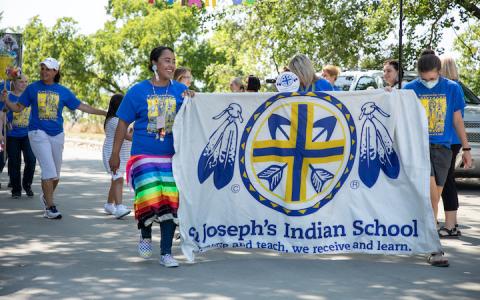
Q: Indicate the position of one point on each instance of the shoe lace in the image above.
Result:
(53, 209)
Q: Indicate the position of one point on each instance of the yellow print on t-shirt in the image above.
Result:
(21, 119)
(48, 105)
(168, 106)
(152, 102)
(436, 109)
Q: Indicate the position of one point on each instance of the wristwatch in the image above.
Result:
(466, 149)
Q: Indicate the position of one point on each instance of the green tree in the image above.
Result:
(468, 44)
(64, 42)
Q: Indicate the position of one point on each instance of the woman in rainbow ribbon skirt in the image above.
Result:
(152, 104)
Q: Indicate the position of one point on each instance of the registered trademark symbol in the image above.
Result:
(235, 188)
(355, 184)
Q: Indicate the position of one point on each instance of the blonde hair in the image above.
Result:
(303, 68)
(180, 72)
(449, 68)
(332, 70)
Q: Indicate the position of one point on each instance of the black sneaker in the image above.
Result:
(16, 195)
(29, 192)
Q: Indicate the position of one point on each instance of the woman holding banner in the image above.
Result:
(301, 66)
(443, 101)
(152, 104)
(47, 98)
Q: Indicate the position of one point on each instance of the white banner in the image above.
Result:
(315, 173)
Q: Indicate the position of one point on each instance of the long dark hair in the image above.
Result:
(57, 77)
(113, 107)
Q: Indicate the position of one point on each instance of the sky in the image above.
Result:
(91, 15)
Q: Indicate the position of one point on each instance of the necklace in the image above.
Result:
(161, 113)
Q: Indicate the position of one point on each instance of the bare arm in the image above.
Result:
(117, 145)
(91, 110)
(460, 129)
(16, 107)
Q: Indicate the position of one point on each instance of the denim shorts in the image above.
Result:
(440, 159)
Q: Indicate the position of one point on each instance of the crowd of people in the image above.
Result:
(139, 141)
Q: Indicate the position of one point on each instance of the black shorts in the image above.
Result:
(440, 159)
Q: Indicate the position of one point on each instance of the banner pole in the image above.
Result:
(400, 47)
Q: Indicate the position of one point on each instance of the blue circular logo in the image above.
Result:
(296, 151)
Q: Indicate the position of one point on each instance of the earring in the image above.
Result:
(154, 68)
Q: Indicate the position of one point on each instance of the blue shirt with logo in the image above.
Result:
(319, 86)
(440, 103)
(17, 121)
(143, 104)
(47, 102)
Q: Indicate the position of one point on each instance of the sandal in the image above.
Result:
(445, 233)
(438, 260)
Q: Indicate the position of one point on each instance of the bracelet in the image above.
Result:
(466, 149)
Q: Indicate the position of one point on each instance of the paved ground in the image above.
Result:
(88, 255)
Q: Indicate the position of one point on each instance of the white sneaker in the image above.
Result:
(52, 213)
(121, 211)
(109, 208)
(168, 261)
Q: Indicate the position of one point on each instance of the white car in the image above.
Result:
(472, 127)
(359, 80)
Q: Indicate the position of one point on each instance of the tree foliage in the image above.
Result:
(241, 40)
(468, 44)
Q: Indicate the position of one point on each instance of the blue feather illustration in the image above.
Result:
(369, 165)
(319, 178)
(376, 147)
(218, 156)
(389, 161)
(273, 175)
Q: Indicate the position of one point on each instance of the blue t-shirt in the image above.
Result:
(47, 103)
(456, 139)
(319, 86)
(17, 121)
(142, 104)
(440, 102)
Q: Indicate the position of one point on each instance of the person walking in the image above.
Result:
(114, 205)
(47, 98)
(442, 99)
(152, 104)
(18, 144)
(449, 193)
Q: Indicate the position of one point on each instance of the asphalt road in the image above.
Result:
(88, 255)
